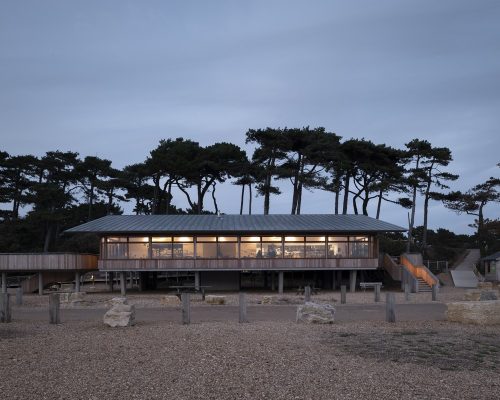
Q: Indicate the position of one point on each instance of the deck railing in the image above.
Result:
(47, 261)
(419, 271)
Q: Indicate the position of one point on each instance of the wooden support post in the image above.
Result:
(4, 282)
(243, 308)
(5, 310)
(77, 281)
(343, 294)
(407, 292)
(111, 280)
(123, 288)
(197, 280)
(377, 293)
(334, 280)
(280, 282)
(54, 307)
(353, 281)
(40, 283)
(390, 315)
(307, 294)
(434, 292)
(186, 308)
(19, 296)
(273, 286)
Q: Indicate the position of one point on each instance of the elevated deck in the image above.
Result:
(20, 262)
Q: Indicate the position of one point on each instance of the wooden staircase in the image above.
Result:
(423, 286)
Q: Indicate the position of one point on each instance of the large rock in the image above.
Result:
(72, 298)
(485, 285)
(480, 295)
(170, 300)
(474, 312)
(120, 314)
(313, 313)
(211, 299)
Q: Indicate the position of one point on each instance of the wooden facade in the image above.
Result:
(47, 262)
(240, 264)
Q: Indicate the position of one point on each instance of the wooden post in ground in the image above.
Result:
(123, 287)
(111, 278)
(197, 280)
(272, 282)
(54, 308)
(390, 315)
(5, 310)
(40, 283)
(334, 280)
(186, 308)
(342, 294)
(434, 292)
(407, 292)
(280, 282)
(352, 279)
(77, 281)
(4, 282)
(377, 293)
(243, 308)
(307, 294)
(19, 296)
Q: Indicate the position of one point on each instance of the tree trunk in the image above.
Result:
(346, 193)
(379, 203)
(169, 197)
(299, 198)
(91, 201)
(48, 238)
(242, 198)
(249, 199)
(214, 199)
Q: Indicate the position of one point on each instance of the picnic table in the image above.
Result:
(314, 290)
(190, 289)
(370, 285)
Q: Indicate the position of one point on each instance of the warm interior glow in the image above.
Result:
(315, 238)
(250, 238)
(228, 239)
(271, 238)
(144, 239)
(337, 238)
(294, 239)
(116, 239)
(205, 239)
(183, 239)
(162, 239)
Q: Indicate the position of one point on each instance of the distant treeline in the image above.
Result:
(61, 189)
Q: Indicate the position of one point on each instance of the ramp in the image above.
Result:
(464, 279)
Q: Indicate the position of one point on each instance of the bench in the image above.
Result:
(370, 285)
(314, 290)
(190, 289)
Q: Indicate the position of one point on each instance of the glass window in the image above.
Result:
(139, 239)
(206, 239)
(358, 238)
(250, 238)
(315, 250)
(116, 250)
(337, 238)
(183, 250)
(138, 250)
(206, 250)
(250, 250)
(161, 250)
(227, 239)
(228, 250)
(116, 239)
(271, 238)
(315, 238)
(337, 250)
(359, 249)
(294, 250)
(183, 239)
(271, 250)
(294, 238)
(161, 239)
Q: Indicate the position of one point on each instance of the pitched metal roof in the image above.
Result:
(492, 257)
(235, 223)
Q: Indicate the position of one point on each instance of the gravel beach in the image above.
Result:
(258, 360)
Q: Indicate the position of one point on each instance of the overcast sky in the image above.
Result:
(112, 78)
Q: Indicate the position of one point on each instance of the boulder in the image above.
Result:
(170, 300)
(117, 300)
(480, 295)
(485, 285)
(120, 314)
(267, 300)
(313, 313)
(72, 298)
(474, 312)
(211, 299)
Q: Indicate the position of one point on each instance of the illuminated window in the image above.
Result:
(337, 250)
(272, 250)
(116, 250)
(294, 247)
(337, 238)
(315, 238)
(183, 239)
(250, 250)
(206, 250)
(139, 239)
(250, 238)
(315, 250)
(206, 239)
(116, 239)
(183, 250)
(138, 250)
(161, 250)
(161, 239)
(228, 250)
(227, 239)
(271, 238)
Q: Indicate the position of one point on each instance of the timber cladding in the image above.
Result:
(239, 264)
(47, 261)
